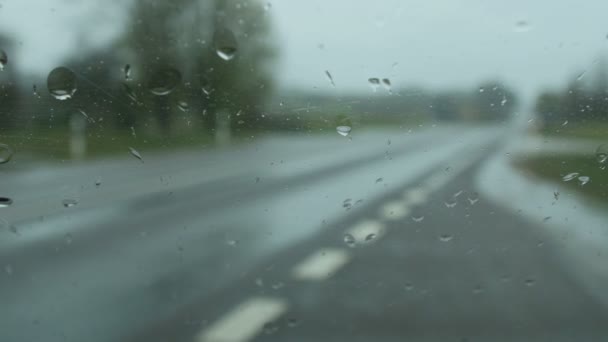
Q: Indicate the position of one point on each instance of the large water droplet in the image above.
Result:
(330, 78)
(69, 202)
(387, 84)
(374, 82)
(136, 154)
(5, 202)
(582, 180)
(225, 44)
(6, 153)
(61, 83)
(349, 240)
(570, 176)
(343, 130)
(3, 59)
(601, 154)
(163, 81)
(370, 237)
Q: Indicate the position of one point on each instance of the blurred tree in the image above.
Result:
(239, 86)
(9, 90)
(179, 35)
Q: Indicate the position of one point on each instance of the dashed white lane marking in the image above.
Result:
(417, 195)
(395, 210)
(245, 321)
(322, 264)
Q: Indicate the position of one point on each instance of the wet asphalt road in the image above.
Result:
(248, 243)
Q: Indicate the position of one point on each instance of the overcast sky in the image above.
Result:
(441, 43)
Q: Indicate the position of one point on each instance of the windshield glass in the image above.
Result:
(232, 171)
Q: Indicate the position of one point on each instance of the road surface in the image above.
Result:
(382, 237)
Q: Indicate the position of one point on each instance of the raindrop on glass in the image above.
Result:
(445, 237)
(267, 6)
(503, 102)
(601, 154)
(582, 180)
(3, 59)
(69, 202)
(374, 83)
(570, 176)
(349, 240)
(370, 237)
(35, 91)
(8, 269)
(418, 218)
(129, 92)
(529, 282)
(98, 182)
(522, 26)
(5, 202)
(68, 238)
(136, 154)
(127, 71)
(473, 198)
(330, 78)
(225, 44)
(232, 242)
(581, 75)
(61, 83)
(387, 84)
(183, 106)
(379, 180)
(450, 203)
(6, 153)
(343, 130)
(163, 81)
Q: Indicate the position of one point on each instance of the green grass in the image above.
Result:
(595, 130)
(554, 168)
(53, 144)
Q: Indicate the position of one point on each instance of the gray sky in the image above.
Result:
(444, 43)
(441, 43)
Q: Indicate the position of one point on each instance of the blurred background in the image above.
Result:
(145, 141)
